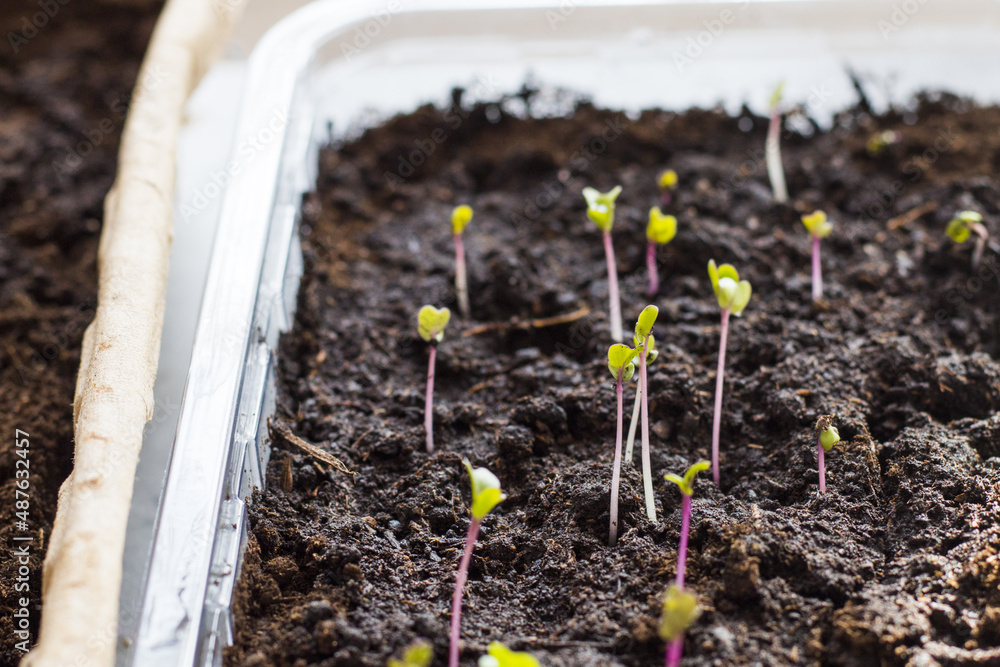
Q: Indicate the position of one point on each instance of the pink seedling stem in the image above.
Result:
(429, 401)
(717, 419)
(685, 484)
(614, 303)
(822, 466)
(616, 474)
(654, 274)
(431, 322)
(676, 647)
(828, 437)
(456, 601)
(817, 277)
(486, 494)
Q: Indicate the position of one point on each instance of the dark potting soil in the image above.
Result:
(66, 76)
(896, 564)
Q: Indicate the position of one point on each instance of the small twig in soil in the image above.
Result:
(310, 449)
(517, 323)
(911, 215)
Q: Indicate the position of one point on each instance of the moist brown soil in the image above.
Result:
(896, 564)
(63, 97)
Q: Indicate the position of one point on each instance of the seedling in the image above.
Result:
(486, 495)
(660, 231)
(733, 295)
(772, 148)
(601, 210)
(680, 611)
(878, 142)
(673, 631)
(819, 228)
(643, 331)
(828, 437)
(431, 322)
(667, 180)
(499, 655)
(962, 226)
(651, 356)
(460, 217)
(621, 363)
(418, 654)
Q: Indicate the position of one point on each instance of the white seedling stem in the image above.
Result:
(614, 302)
(772, 150)
(461, 281)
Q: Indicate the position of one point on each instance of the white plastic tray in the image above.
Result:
(340, 62)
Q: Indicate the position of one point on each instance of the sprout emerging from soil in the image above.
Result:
(819, 228)
(683, 607)
(460, 217)
(827, 438)
(431, 322)
(733, 295)
(680, 611)
(660, 231)
(601, 210)
(643, 331)
(651, 356)
(486, 494)
(667, 182)
(772, 148)
(621, 363)
(878, 142)
(499, 655)
(418, 654)
(964, 224)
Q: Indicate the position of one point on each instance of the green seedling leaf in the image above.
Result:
(621, 359)
(817, 224)
(686, 483)
(661, 228)
(776, 96)
(960, 227)
(731, 292)
(680, 611)
(486, 493)
(499, 655)
(644, 325)
(431, 322)
(418, 654)
(880, 141)
(601, 206)
(460, 217)
(651, 352)
(829, 437)
(667, 180)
